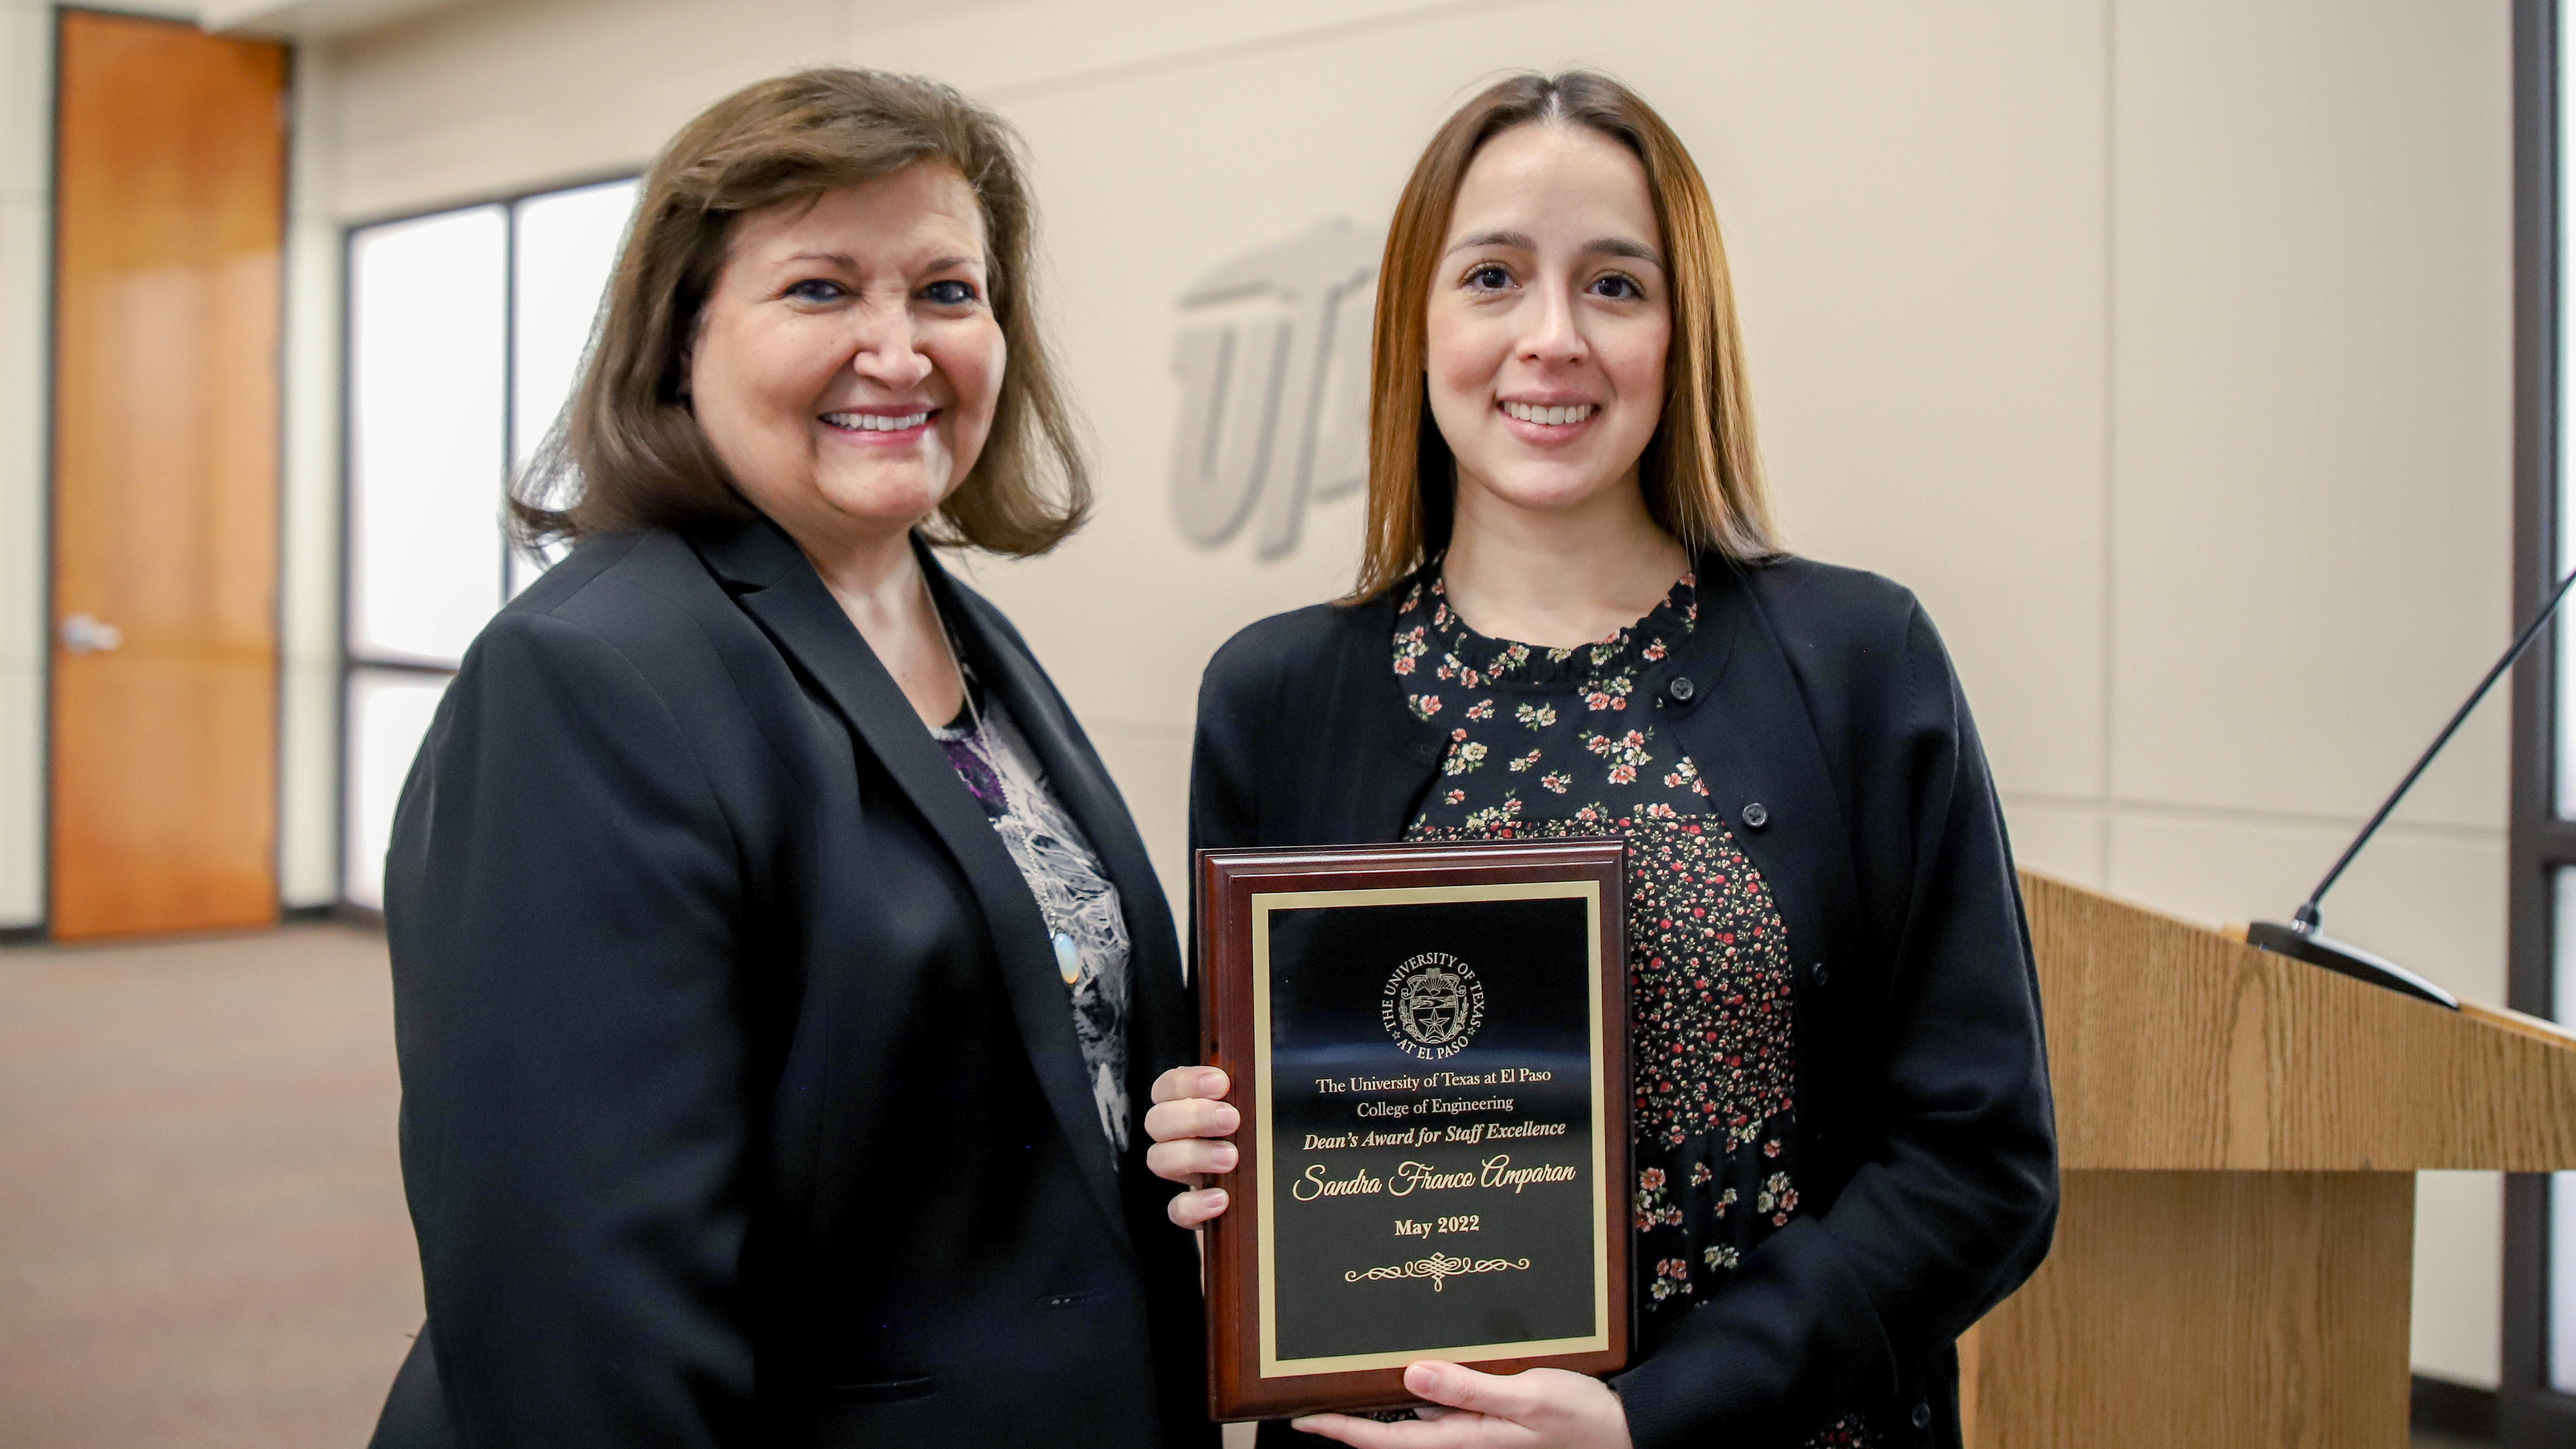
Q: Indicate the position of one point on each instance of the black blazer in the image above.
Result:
(1823, 713)
(741, 1100)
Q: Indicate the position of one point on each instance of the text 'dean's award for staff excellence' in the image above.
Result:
(1427, 1044)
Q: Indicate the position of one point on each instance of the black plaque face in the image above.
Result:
(1430, 1063)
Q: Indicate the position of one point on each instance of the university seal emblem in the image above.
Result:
(1432, 1005)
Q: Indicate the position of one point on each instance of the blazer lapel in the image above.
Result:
(778, 587)
(1159, 1028)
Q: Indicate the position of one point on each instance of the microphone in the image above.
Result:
(2304, 937)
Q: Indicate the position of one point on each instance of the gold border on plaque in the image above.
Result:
(1589, 892)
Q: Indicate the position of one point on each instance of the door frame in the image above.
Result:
(49, 320)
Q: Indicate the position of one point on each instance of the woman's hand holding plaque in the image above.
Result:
(1190, 1125)
(1540, 1408)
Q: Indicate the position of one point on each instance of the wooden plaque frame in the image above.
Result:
(1229, 883)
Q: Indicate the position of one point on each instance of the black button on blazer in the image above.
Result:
(741, 1099)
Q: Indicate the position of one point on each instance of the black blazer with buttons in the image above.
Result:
(741, 1099)
(1823, 712)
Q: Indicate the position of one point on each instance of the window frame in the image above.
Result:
(352, 661)
(2540, 842)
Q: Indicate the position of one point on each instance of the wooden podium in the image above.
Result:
(2238, 1134)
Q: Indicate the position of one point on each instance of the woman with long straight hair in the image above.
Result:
(1573, 617)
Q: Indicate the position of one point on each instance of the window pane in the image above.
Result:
(426, 339)
(2564, 721)
(2565, 717)
(389, 712)
(567, 242)
(566, 247)
(2562, 944)
(2562, 1306)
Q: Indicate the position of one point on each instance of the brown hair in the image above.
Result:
(628, 451)
(1701, 475)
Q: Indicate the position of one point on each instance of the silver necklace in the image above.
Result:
(1068, 953)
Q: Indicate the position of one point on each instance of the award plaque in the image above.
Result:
(1427, 1043)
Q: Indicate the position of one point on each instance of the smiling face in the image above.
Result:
(847, 361)
(1548, 322)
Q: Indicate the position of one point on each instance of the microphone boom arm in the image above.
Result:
(2308, 917)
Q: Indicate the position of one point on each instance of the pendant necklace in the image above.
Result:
(1068, 953)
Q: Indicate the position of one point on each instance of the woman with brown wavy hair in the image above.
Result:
(775, 964)
(1573, 618)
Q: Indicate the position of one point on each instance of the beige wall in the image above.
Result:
(2162, 347)
(309, 497)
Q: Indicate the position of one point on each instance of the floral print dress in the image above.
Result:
(1565, 742)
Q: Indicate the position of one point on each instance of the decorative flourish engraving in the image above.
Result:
(1439, 1268)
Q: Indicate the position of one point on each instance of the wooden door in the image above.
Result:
(170, 197)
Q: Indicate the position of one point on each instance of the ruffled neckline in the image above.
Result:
(1427, 628)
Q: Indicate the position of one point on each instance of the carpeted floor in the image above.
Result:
(202, 1237)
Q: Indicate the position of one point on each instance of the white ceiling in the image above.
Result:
(305, 17)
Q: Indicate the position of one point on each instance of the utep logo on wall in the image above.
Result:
(1274, 403)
